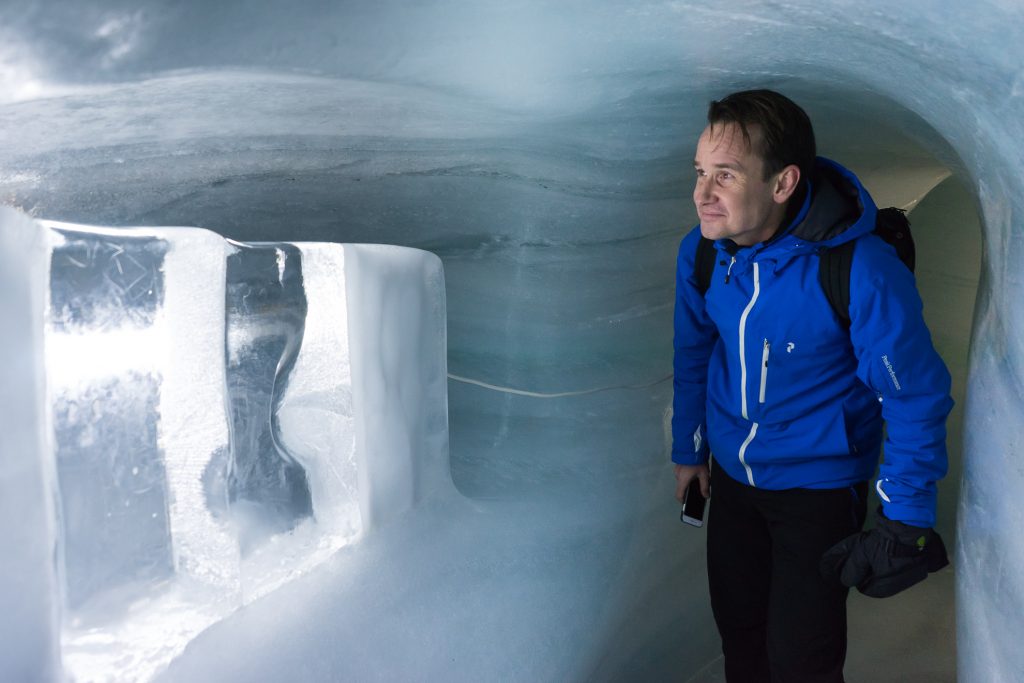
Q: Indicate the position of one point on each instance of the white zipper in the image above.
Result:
(764, 370)
(743, 452)
(743, 335)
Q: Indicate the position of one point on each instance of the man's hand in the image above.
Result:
(886, 560)
(684, 473)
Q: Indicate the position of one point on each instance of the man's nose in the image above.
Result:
(702, 190)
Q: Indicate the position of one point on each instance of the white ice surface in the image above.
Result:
(29, 599)
(396, 314)
(541, 151)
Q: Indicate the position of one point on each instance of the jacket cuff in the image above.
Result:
(909, 515)
(691, 457)
(914, 506)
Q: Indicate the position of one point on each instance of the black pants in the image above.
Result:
(779, 621)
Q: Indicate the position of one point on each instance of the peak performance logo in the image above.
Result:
(892, 373)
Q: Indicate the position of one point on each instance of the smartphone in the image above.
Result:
(693, 504)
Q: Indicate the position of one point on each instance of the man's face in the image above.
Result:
(732, 197)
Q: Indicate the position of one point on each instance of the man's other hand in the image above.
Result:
(886, 560)
(684, 473)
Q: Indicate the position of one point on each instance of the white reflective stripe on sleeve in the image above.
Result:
(743, 452)
(698, 439)
(743, 335)
(881, 493)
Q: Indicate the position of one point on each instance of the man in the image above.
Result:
(790, 401)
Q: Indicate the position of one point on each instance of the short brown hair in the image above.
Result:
(787, 136)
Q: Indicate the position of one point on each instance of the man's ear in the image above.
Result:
(786, 182)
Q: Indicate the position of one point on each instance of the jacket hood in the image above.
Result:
(837, 208)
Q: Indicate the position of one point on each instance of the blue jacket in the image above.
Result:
(783, 395)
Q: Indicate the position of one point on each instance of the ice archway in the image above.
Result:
(541, 151)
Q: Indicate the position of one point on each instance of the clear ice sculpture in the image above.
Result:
(203, 397)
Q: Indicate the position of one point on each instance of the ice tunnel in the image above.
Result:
(540, 151)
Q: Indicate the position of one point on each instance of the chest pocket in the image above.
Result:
(800, 352)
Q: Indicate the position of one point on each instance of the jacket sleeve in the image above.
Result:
(694, 338)
(896, 358)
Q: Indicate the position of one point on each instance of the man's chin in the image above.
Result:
(712, 231)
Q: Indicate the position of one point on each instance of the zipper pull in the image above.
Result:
(728, 273)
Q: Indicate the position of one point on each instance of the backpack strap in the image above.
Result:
(704, 265)
(834, 277)
(834, 266)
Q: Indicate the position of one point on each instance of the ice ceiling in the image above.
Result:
(541, 150)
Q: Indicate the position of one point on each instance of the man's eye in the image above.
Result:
(725, 175)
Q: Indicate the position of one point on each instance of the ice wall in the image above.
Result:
(541, 152)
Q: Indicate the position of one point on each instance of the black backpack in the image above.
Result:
(834, 265)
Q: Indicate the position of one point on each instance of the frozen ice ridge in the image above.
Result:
(218, 419)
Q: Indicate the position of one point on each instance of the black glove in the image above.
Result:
(886, 560)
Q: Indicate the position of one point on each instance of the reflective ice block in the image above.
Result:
(396, 308)
(315, 413)
(222, 418)
(111, 470)
(266, 309)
